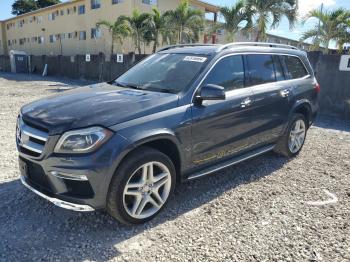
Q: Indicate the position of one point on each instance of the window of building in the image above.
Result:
(149, 2)
(114, 2)
(70, 35)
(52, 38)
(296, 68)
(228, 73)
(39, 20)
(81, 9)
(34, 39)
(95, 33)
(21, 41)
(8, 42)
(82, 35)
(40, 40)
(51, 16)
(260, 69)
(95, 4)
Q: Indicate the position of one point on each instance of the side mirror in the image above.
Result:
(211, 92)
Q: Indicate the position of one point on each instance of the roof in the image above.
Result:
(42, 9)
(208, 7)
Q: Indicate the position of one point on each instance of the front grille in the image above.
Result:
(30, 140)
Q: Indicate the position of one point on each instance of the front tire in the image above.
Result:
(291, 143)
(141, 186)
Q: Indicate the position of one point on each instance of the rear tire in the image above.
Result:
(292, 141)
(141, 186)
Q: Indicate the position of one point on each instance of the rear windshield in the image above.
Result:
(164, 72)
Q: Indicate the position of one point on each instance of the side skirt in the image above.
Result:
(231, 162)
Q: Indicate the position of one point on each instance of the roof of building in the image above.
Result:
(208, 7)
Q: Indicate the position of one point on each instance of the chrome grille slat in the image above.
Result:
(30, 139)
(37, 148)
(29, 131)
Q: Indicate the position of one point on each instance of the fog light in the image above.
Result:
(63, 175)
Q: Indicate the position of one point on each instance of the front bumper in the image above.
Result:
(58, 202)
(79, 182)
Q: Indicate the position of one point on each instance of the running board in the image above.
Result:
(231, 162)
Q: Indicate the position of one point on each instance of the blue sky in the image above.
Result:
(281, 30)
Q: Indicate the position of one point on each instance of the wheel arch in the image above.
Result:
(165, 142)
(303, 107)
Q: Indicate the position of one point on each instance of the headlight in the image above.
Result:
(83, 140)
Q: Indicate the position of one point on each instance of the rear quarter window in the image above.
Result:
(295, 67)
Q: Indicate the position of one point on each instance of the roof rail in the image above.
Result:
(183, 45)
(227, 46)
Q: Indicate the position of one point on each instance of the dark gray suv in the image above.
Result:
(182, 113)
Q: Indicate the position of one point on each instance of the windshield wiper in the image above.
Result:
(129, 85)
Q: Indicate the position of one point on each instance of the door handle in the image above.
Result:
(246, 102)
(285, 93)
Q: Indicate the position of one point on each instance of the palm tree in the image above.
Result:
(139, 23)
(334, 25)
(118, 30)
(234, 17)
(157, 27)
(268, 13)
(186, 22)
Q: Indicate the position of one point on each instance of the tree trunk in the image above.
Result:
(155, 43)
(258, 36)
(112, 47)
(327, 47)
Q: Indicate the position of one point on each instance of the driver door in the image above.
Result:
(221, 128)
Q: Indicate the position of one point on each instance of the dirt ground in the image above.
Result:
(267, 209)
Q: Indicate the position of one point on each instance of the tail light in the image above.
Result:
(317, 88)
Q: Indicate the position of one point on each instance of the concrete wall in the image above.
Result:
(76, 67)
(335, 84)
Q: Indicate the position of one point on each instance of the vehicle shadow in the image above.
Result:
(32, 227)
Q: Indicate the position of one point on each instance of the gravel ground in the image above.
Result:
(265, 209)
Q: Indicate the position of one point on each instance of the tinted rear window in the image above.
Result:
(260, 69)
(295, 67)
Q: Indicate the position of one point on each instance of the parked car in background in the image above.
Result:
(182, 113)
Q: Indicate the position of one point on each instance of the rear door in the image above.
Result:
(221, 129)
(271, 97)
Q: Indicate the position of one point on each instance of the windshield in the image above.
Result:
(163, 72)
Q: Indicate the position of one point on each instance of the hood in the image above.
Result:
(100, 104)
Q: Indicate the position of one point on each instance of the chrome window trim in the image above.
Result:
(250, 53)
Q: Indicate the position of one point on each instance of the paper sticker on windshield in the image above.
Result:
(197, 59)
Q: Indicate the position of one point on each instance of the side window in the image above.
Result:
(295, 67)
(278, 68)
(228, 73)
(260, 69)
